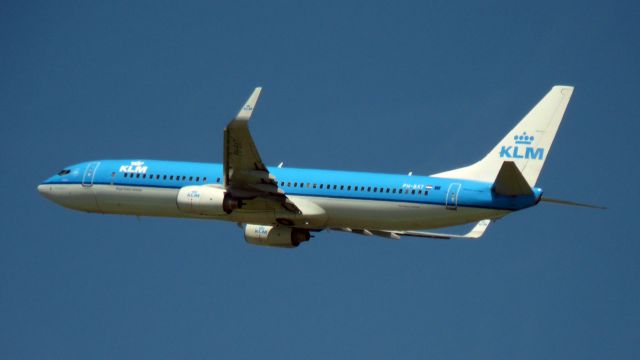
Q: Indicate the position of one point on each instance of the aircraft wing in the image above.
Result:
(475, 233)
(245, 175)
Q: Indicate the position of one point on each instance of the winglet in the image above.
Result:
(247, 109)
(479, 229)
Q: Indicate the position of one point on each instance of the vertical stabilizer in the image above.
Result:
(527, 145)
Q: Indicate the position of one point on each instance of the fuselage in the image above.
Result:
(355, 200)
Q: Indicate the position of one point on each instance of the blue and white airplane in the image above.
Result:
(282, 206)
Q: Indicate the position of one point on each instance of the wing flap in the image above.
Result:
(245, 174)
(241, 158)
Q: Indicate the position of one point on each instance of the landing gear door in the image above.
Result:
(90, 173)
(452, 196)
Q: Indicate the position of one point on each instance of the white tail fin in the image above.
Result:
(527, 145)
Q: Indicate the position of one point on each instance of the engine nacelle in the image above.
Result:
(206, 200)
(278, 236)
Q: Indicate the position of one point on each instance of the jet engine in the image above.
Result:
(206, 200)
(278, 236)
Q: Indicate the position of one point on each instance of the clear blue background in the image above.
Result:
(372, 86)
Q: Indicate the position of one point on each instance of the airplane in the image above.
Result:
(282, 207)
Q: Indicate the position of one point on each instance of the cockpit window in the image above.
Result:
(64, 172)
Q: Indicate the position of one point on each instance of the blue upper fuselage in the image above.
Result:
(303, 182)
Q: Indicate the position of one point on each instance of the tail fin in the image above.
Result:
(527, 145)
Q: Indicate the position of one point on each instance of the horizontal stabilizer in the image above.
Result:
(510, 181)
(571, 203)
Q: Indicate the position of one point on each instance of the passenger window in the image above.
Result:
(308, 185)
(413, 192)
(164, 177)
(341, 187)
(387, 190)
(171, 177)
(217, 180)
(419, 192)
(137, 175)
(355, 188)
(144, 176)
(197, 178)
(321, 186)
(125, 174)
(349, 187)
(426, 193)
(190, 178)
(394, 191)
(184, 178)
(315, 185)
(335, 187)
(369, 189)
(289, 184)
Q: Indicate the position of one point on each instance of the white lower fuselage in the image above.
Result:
(337, 212)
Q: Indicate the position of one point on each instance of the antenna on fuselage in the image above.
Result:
(281, 164)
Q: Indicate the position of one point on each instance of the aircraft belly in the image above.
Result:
(330, 212)
(137, 200)
(386, 215)
(152, 201)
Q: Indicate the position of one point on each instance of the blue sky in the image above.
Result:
(371, 86)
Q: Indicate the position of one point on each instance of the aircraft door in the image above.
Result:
(90, 173)
(452, 196)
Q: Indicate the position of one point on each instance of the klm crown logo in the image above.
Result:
(523, 139)
(524, 151)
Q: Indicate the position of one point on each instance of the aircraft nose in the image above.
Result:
(44, 190)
